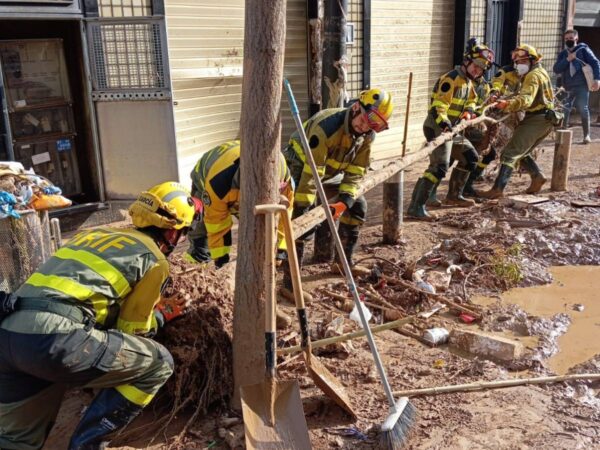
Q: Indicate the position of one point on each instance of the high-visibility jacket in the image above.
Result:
(482, 89)
(453, 93)
(118, 274)
(506, 81)
(335, 150)
(535, 94)
(216, 179)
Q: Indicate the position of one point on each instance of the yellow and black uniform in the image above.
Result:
(536, 98)
(506, 81)
(338, 153)
(216, 181)
(102, 279)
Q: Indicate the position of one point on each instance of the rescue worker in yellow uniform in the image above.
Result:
(216, 181)
(340, 141)
(536, 98)
(505, 82)
(83, 319)
(453, 99)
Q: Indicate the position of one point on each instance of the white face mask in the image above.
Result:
(522, 69)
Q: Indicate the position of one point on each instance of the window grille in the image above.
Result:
(128, 56)
(543, 27)
(125, 8)
(354, 81)
(478, 16)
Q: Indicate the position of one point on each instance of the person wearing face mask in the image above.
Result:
(569, 65)
(340, 142)
(453, 99)
(536, 98)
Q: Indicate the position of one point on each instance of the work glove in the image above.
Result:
(446, 126)
(501, 104)
(221, 261)
(337, 209)
(170, 308)
(468, 115)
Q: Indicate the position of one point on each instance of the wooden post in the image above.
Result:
(562, 154)
(314, 13)
(334, 53)
(393, 188)
(264, 43)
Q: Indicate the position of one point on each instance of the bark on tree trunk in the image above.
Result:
(264, 43)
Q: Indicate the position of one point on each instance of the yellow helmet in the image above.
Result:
(479, 54)
(526, 51)
(167, 205)
(378, 107)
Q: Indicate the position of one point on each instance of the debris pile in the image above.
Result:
(200, 342)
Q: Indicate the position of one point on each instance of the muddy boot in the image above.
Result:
(349, 238)
(433, 201)
(468, 190)
(416, 209)
(324, 247)
(458, 179)
(499, 185)
(286, 291)
(537, 177)
(108, 413)
(282, 320)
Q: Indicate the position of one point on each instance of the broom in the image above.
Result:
(401, 418)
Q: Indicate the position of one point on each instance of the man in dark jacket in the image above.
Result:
(569, 65)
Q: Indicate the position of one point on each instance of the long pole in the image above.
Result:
(338, 245)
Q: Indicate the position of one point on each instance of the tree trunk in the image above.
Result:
(264, 44)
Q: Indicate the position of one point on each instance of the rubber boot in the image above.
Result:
(433, 201)
(416, 209)
(468, 190)
(537, 177)
(108, 413)
(458, 179)
(324, 248)
(349, 239)
(501, 181)
(287, 290)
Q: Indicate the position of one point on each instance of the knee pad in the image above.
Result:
(471, 159)
(440, 171)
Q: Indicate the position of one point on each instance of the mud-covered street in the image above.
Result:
(527, 271)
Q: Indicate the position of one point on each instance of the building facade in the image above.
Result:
(107, 97)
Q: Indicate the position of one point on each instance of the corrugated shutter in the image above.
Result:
(543, 27)
(206, 41)
(409, 36)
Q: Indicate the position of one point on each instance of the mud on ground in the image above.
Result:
(481, 251)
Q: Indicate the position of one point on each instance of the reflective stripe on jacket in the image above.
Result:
(335, 150)
(535, 94)
(453, 93)
(506, 81)
(216, 178)
(117, 274)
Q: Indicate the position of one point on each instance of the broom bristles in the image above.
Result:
(398, 425)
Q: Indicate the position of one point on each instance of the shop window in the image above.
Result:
(125, 8)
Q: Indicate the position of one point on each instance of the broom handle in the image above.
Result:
(338, 245)
(479, 385)
(348, 336)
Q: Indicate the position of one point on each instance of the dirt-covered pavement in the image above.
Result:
(472, 257)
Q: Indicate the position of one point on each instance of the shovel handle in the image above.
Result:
(296, 279)
(269, 212)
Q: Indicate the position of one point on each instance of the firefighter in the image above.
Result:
(453, 99)
(340, 141)
(216, 181)
(84, 319)
(536, 98)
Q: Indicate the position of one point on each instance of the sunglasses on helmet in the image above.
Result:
(375, 120)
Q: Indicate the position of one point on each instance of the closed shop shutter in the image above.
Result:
(409, 36)
(206, 41)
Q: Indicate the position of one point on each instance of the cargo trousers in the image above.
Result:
(527, 135)
(42, 354)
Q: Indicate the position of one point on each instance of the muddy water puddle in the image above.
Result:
(573, 285)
